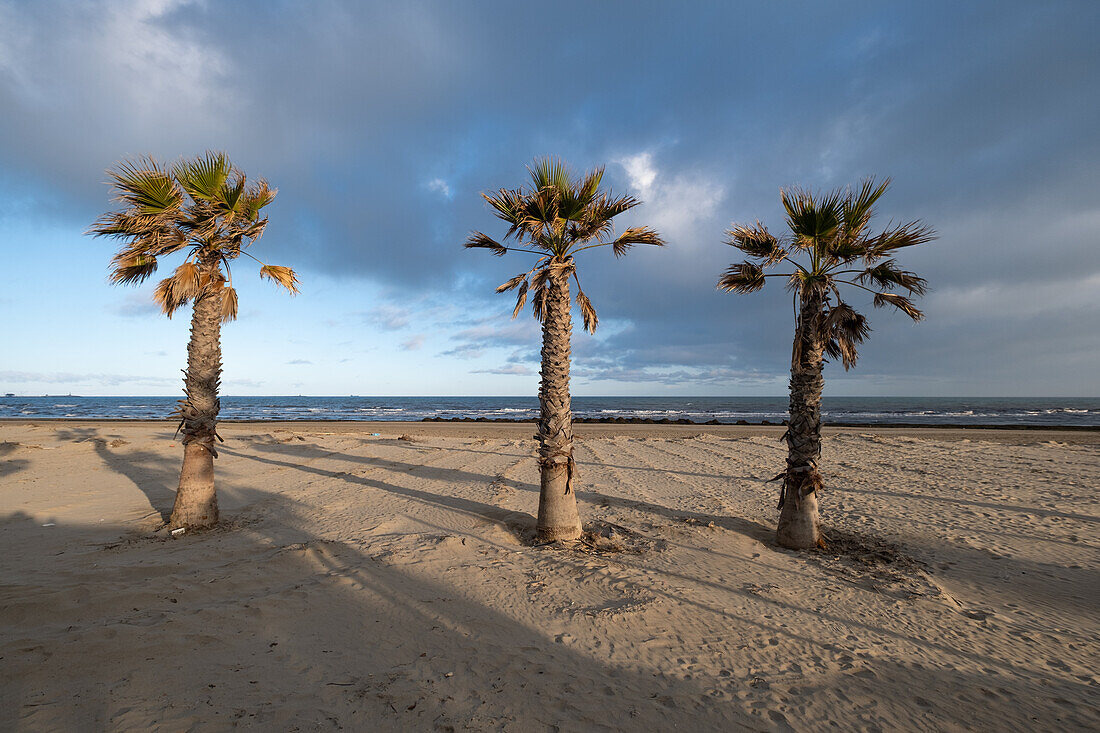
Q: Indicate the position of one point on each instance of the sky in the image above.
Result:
(381, 124)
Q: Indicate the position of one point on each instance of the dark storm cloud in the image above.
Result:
(381, 123)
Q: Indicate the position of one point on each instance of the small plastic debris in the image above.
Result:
(49, 524)
(376, 434)
(178, 531)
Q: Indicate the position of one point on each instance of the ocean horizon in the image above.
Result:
(961, 411)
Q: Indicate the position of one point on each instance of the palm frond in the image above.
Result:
(540, 285)
(887, 276)
(844, 331)
(131, 269)
(513, 283)
(756, 241)
(167, 298)
(521, 297)
(258, 195)
(549, 172)
(146, 187)
(204, 177)
(229, 304)
(812, 221)
(187, 281)
(484, 241)
(588, 313)
(905, 235)
(634, 236)
(744, 277)
(283, 276)
(508, 205)
(857, 210)
(900, 302)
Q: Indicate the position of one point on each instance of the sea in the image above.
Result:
(1015, 411)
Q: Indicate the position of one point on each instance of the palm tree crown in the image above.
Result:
(556, 218)
(831, 233)
(202, 205)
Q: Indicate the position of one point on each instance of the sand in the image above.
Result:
(364, 582)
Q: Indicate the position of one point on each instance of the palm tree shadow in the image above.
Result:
(516, 523)
(8, 466)
(313, 451)
(154, 474)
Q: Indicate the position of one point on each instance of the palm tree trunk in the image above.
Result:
(558, 517)
(799, 526)
(196, 505)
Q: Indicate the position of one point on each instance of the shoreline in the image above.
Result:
(617, 421)
(521, 429)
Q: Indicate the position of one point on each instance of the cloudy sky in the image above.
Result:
(381, 123)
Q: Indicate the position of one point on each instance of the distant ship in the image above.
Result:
(10, 394)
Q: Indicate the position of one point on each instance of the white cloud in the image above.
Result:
(440, 186)
(413, 343)
(389, 317)
(516, 370)
(674, 205)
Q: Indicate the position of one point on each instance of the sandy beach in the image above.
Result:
(380, 576)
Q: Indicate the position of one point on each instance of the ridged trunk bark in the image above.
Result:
(196, 505)
(558, 517)
(799, 525)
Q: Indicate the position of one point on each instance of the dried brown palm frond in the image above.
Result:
(887, 276)
(588, 313)
(484, 241)
(521, 298)
(132, 268)
(513, 283)
(756, 241)
(744, 277)
(187, 281)
(282, 275)
(167, 298)
(229, 304)
(844, 331)
(900, 302)
(634, 236)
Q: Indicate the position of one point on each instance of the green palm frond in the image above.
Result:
(856, 211)
(204, 177)
(905, 235)
(146, 187)
(811, 220)
(549, 173)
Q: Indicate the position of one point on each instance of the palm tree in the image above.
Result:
(831, 235)
(557, 217)
(206, 207)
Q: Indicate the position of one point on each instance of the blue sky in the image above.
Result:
(381, 123)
